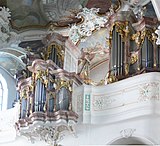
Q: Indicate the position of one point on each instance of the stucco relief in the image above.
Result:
(7, 36)
(158, 33)
(102, 102)
(80, 103)
(4, 24)
(149, 91)
(126, 133)
(91, 22)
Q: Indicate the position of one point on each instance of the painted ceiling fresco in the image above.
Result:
(33, 13)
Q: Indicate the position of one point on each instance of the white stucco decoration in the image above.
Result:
(158, 33)
(91, 22)
(4, 23)
(6, 36)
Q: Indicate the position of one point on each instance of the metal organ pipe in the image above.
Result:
(113, 51)
(119, 55)
(122, 57)
(116, 53)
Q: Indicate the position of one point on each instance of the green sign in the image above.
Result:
(87, 102)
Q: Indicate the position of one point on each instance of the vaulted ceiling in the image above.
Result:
(38, 13)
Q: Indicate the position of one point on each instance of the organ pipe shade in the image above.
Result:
(117, 53)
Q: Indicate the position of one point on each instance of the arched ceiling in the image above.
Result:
(61, 13)
(39, 13)
(11, 59)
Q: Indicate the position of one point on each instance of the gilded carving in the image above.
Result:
(112, 79)
(134, 57)
(140, 36)
(47, 51)
(136, 38)
(126, 69)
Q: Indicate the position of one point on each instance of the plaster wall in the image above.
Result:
(11, 87)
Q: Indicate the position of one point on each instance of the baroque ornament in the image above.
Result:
(158, 33)
(126, 133)
(6, 36)
(102, 102)
(4, 24)
(91, 22)
(149, 92)
(79, 103)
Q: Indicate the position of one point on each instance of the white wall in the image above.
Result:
(99, 72)
(11, 87)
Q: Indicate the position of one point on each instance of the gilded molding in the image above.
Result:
(112, 79)
(134, 57)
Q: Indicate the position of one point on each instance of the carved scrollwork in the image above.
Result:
(136, 38)
(139, 37)
(133, 57)
(112, 79)
(122, 28)
(92, 21)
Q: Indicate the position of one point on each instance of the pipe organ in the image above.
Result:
(117, 52)
(46, 99)
(45, 95)
(133, 48)
(55, 53)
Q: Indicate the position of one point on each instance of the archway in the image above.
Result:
(131, 141)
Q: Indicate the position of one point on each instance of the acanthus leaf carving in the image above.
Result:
(91, 23)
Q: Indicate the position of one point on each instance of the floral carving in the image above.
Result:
(102, 102)
(149, 91)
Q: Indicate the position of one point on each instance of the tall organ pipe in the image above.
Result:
(119, 55)
(116, 51)
(113, 50)
(37, 94)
